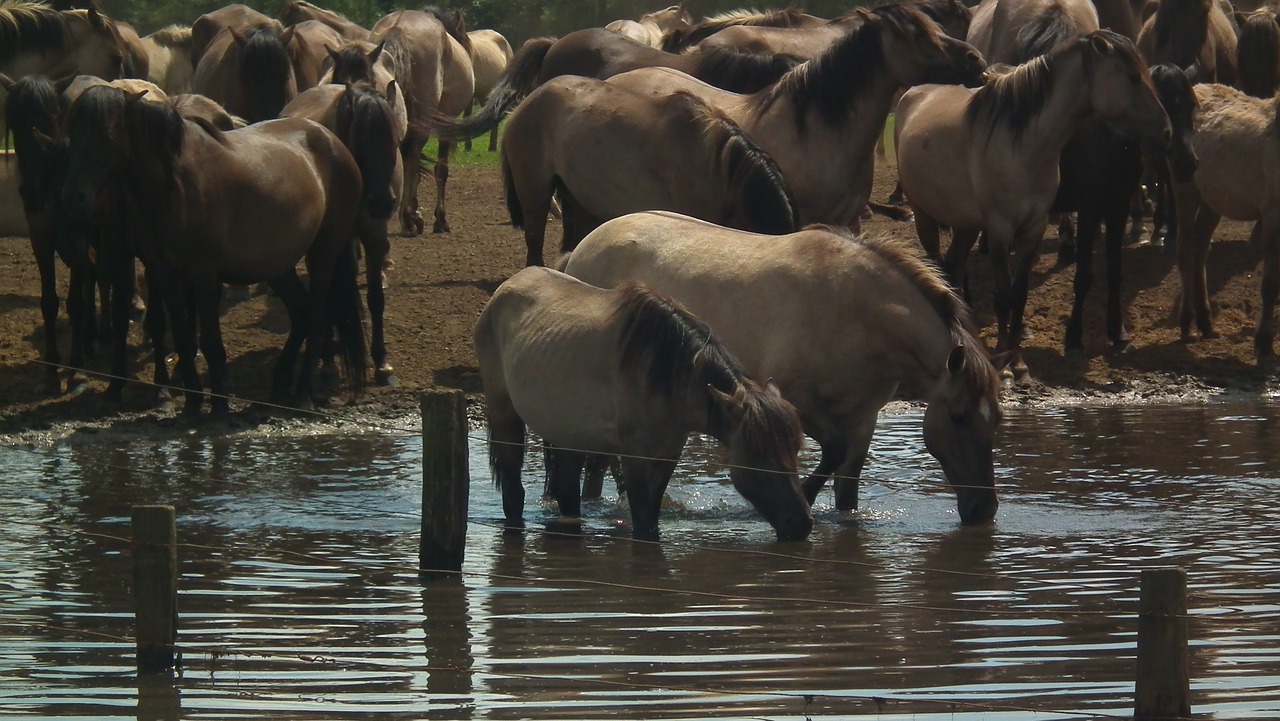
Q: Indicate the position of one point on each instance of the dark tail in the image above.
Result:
(513, 200)
(520, 78)
(346, 310)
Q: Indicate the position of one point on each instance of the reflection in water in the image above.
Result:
(300, 596)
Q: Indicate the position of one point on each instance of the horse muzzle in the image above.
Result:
(978, 508)
(796, 528)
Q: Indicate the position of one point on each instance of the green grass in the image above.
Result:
(479, 157)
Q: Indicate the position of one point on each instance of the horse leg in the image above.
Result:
(49, 304)
(80, 298)
(646, 483)
(294, 296)
(411, 156)
(928, 232)
(1116, 331)
(1066, 240)
(1023, 259)
(155, 323)
(1137, 215)
(373, 239)
(215, 353)
(1262, 339)
(184, 341)
(442, 179)
(1198, 221)
(849, 471)
(506, 453)
(593, 469)
(833, 452)
(956, 263)
(566, 476)
(1088, 233)
(117, 268)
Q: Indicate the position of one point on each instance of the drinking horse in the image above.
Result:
(838, 321)
(627, 372)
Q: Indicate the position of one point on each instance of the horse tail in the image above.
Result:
(1258, 55)
(345, 308)
(761, 199)
(514, 209)
(519, 79)
(742, 72)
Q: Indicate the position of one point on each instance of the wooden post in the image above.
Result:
(446, 483)
(1164, 670)
(155, 586)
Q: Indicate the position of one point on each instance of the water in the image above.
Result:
(299, 595)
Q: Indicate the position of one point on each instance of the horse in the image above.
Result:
(1001, 146)
(807, 41)
(369, 125)
(295, 12)
(1195, 35)
(1235, 138)
(136, 62)
(627, 372)
(247, 69)
(602, 54)
(490, 56)
(672, 151)
(1258, 54)
(680, 39)
(820, 122)
(237, 15)
(429, 60)
(838, 321)
(650, 29)
(13, 219)
(1015, 31)
(169, 58)
(309, 49)
(295, 191)
(35, 39)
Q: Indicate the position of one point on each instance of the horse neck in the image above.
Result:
(1181, 33)
(1066, 105)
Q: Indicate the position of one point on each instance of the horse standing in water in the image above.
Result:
(1000, 147)
(295, 190)
(838, 321)
(372, 127)
(627, 372)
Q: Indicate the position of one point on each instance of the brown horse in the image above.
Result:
(987, 159)
(169, 58)
(490, 56)
(627, 372)
(1235, 137)
(246, 66)
(676, 40)
(602, 54)
(368, 124)
(309, 49)
(1195, 35)
(820, 122)
(295, 191)
(432, 68)
(35, 39)
(1258, 54)
(650, 29)
(671, 152)
(295, 12)
(1015, 31)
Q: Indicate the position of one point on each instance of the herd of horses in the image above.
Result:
(711, 177)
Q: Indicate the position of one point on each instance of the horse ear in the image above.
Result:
(332, 53)
(6, 82)
(391, 93)
(287, 36)
(61, 84)
(771, 387)
(730, 403)
(376, 52)
(956, 360)
(136, 97)
(95, 18)
(236, 35)
(1101, 44)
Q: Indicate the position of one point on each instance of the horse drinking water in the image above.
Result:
(632, 373)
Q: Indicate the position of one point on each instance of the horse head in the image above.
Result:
(764, 438)
(1121, 91)
(353, 62)
(95, 45)
(916, 51)
(960, 422)
(1173, 87)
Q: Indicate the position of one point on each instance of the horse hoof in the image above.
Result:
(1075, 356)
(513, 526)
(76, 387)
(565, 527)
(163, 400)
(441, 226)
(1122, 346)
(386, 378)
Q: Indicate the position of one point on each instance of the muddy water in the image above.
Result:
(299, 596)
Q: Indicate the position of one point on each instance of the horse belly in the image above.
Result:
(564, 401)
(1232, 180)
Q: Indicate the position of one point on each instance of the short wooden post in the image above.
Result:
(155, 586)
(1164, 670)
(446, 483)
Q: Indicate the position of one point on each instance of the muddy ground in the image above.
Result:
(439, 284)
